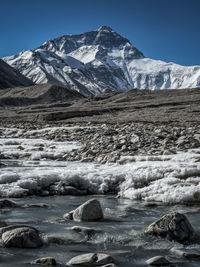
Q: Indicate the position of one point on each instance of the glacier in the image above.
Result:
(100, 61)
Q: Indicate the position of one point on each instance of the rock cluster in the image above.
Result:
(173, 226)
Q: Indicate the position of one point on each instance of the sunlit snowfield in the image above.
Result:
(173, 179)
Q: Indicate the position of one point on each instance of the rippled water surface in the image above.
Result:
(119, 234)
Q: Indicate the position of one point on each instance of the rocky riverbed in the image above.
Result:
(111, 233)
(50, 171)
(108, 143)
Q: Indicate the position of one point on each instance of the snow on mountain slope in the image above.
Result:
(100, 61)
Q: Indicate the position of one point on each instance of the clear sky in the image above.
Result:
(162, 29)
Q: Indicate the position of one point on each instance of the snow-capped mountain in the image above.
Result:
(100, 61)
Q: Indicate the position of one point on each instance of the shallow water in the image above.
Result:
(119, 234)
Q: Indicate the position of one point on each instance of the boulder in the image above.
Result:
(173, 226)
(48, 261)
(186, 253)
(91, 259)
(88, 211)
(5, 203)
(158, 261)
(84, 230)
(21, 237)
(68, 216)
(11, 227)
(70, 190)
(109, 265)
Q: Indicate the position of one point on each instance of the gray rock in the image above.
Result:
(11, 227)
(69, 215)
(48, 261)
(85, 230)
(91, 259)
(24, 237)
(158, 261)
(173, 226)
(51, 239)
(134, 139)
(109, 265)
(5, 203)
(186, 253)
(150, 204)
(36, 205)
(70, 190)
(88, 211)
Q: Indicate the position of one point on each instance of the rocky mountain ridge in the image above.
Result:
(100, 61)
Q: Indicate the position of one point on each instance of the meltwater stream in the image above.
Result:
(119, 234)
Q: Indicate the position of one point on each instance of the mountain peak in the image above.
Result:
(105, 28)
(100, 61)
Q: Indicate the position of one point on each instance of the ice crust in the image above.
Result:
(165, 178)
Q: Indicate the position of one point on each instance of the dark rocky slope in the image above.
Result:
(37, 94)
(164, 106)
(10, 77)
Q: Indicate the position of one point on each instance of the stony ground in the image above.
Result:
(160, 106)
(112, 125)
(107, 143)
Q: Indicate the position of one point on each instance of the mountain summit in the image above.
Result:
(100, 61)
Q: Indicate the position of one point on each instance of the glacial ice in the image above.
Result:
(165, 178)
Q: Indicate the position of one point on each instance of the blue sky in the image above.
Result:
(162, 29)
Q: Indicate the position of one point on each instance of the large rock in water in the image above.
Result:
(88, 211)
(90, 259)
(49, 261)
(158, 261)
(6, 203)
(22, 237)
(173, 226)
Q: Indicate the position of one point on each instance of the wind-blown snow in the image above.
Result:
(166, 178)
(100, 61)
